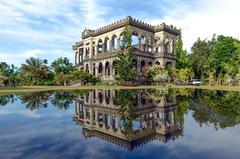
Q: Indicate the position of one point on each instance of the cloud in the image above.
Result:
(18, 58)
(48, 29)
(203, 19)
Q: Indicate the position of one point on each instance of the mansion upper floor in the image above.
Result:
(147, 39)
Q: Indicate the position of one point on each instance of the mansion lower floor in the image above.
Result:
(103, 65)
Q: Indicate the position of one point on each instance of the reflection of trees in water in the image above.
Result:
(35, 100)
(5, 99)
(220, 108)
(184, 100)
(62, 99)
(126, 100)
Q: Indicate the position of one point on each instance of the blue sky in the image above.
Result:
(48, 28)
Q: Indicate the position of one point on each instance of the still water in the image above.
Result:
(118, 124)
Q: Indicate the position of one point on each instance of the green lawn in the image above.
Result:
(45, 88)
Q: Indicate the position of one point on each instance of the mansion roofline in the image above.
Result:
(133, 22)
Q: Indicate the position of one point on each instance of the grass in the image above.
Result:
(23, 89)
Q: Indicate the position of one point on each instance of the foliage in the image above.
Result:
(83, 77)
(184, 74)
(217, 107)
(216, 60)
(36, 100)
(10, 72)
(125, 101)
(125, 66)
(35, 70)
(181, 55)
(156, 73)
(61, 68)
(62, 99)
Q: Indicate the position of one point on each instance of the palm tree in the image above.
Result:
(36, 68)
(61, 67)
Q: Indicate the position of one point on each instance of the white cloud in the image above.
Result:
(20, 57)
(204, 19)
(49, 28)
(45, 28)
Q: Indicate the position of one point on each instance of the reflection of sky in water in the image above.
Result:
(51, 133)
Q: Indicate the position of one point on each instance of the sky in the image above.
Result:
(47, 29)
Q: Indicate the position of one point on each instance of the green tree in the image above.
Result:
(156, 74)
(82, 77)
(181, 55)
(125, 66)
(185, 74)
(35, 69)
(10, 72)
(225, 58)
(61, 68)
(198, 59)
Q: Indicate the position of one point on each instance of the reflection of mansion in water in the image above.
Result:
(156, 119)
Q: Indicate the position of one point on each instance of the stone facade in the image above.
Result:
(96, 52)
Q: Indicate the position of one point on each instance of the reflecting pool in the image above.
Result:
(144, 123)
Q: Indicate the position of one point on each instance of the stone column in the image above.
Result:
(90, 55)
(91, 116)
(76, 58)
(96, 116)
(110, 45)
(111, 123)
(118, 43)
(104, 121)
(103, 47)
(96, 49)
(84, 51)
(139, 43)
(84, 115)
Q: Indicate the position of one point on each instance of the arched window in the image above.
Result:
(94, 69)
(100, 68)
(114, 42)
(106, 45)
(87, 68)
(134, 39)
(167, 45)
(143, 42)
(107, 69)
(150, 63)
(142, 66)
(171, 50)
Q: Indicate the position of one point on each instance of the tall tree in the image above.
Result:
(36, 69)
(61, 67)
(125, 66)
(225, 57)
(181, 55)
